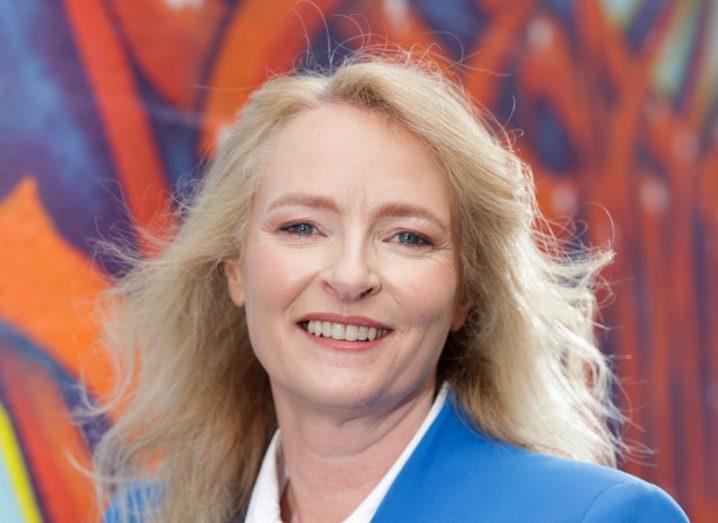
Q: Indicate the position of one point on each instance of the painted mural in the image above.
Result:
(108, 107)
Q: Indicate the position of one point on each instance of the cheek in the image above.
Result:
(424, 288)
(274, 279)
(274, 275)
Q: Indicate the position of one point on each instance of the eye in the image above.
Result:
(408, 238)
(299, 229)
(413, 239)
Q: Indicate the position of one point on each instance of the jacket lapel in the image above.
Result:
(430, 482)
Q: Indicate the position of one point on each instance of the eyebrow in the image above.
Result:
(318, 201)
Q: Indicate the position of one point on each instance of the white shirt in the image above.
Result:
(264, 503)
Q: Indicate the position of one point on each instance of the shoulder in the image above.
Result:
(459, 473)
(135, 500)
(526, 484)
(560, 489)
(576, 491)
(633, 501)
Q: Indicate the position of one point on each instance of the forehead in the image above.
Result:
(355, 156)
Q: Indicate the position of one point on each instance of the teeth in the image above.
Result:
(372, 333)
(339, 331)
(326, 329)
(351, 333)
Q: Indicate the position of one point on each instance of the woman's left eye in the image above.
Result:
(413, 239)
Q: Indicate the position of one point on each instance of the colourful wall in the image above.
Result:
(112, 102)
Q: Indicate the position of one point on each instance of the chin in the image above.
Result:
(339, 392)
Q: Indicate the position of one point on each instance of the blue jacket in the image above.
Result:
(457, 474)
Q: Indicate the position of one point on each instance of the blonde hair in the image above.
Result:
(197, 412)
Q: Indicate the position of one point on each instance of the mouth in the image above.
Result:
(341, 343)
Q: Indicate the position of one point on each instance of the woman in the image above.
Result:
(360, 319)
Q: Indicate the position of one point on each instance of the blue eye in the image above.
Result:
(414, 240)
(299, 229)
(410, 239)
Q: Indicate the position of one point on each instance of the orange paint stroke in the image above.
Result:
(172, 53)
(47, 286)
(263, 38)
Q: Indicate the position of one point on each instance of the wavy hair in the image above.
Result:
(196, 412)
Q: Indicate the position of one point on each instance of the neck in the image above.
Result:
(335, 459)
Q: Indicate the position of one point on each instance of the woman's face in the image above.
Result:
(352, 217)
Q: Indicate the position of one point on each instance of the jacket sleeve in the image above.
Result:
(133, 500)
(634, 501)
(113, 514)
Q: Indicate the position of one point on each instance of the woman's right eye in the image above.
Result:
(299, 229)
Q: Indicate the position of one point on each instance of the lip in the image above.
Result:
(343, 345)
(353, 319)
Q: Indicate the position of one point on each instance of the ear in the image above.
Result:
(234, 281)
(459, 316)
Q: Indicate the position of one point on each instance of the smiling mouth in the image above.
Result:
(340, 332)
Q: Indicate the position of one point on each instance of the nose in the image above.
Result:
(349, 276)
